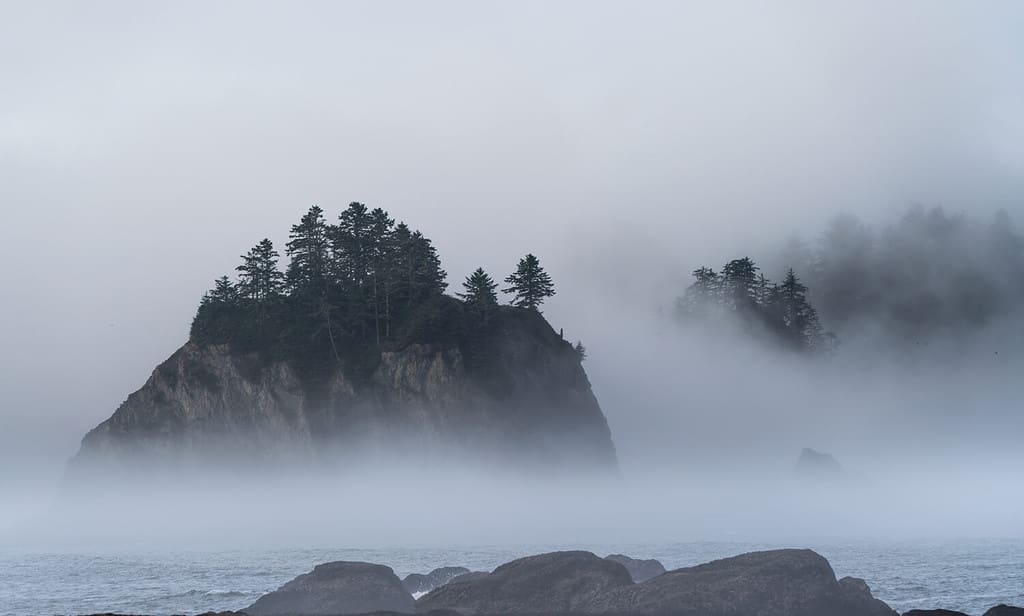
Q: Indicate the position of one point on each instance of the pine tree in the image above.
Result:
(529, 284)
(379, 249)
(260, 279)
(581, 351)
(479, 291)
(309, 250)
(701, 296)
(797, 318)
(351, 244)
(223, 293)
(739, 284)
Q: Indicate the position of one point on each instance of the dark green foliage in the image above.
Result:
(929, 274)
(780, 310)
(479, 291)
(350, 291)
(530, 285)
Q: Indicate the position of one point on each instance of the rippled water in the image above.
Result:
(967, 576)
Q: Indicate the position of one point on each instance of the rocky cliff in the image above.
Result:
(521, 397)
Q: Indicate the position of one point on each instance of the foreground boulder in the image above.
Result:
(774, 583)
(558, 582)
(639, 570)
(933, 613)
(1005, 610)
(335, 589)
(417, 583)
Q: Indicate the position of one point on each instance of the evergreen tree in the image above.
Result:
(529, 284)
(260, 280)
(309, 274)
(309, 250)
(351, 244)
(379, 249)
(223, 293)
(479, 291)
(581, 351)
(739, 284)
(796, 317)
(701, 296)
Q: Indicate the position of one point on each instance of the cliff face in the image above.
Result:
(527, 403)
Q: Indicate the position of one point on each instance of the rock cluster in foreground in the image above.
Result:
(771, 583)
(775, 583)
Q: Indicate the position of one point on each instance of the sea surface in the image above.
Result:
(968, 576)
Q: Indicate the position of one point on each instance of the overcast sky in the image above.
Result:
(144, 146)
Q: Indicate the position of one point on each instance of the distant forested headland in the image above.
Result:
(353, 288)
(930, 274)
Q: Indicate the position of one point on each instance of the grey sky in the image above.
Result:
(144, 146)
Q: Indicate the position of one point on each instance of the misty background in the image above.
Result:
(143, 148)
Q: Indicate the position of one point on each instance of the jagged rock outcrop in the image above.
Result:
(336, 589)
(523, 399)
(773, 583)
(419, 583)
(558, 582)
(640, 570)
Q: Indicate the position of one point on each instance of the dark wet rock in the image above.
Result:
(558, 582)
(856, 596)
(639, 570)
(472, 575)
(774, 583)
(426, 582)
(933, 613)
(334, 589)
(1005, 610)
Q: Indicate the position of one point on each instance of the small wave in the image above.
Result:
(219, 594)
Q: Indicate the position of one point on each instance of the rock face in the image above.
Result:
(933, 613)
(559, 582)
(775, 583)
(418, 583)
(334, 589)
(639, 570)
(816, 466)
(1005, 610)
(528, 402)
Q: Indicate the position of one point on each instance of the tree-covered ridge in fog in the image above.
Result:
(781, 310)
(929, 274)
(352, 289)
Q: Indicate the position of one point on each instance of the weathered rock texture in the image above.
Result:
(559, 582)
(418, 583)
(775, 583)
(527, 401)
(639, 570)
(334, 589)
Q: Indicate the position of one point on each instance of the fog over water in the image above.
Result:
(142, 149)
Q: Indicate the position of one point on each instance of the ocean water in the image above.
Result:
(968, 576)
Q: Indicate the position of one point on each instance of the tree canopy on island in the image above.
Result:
(778, 309)
(350, 289)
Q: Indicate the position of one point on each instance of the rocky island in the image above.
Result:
(355, 353)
